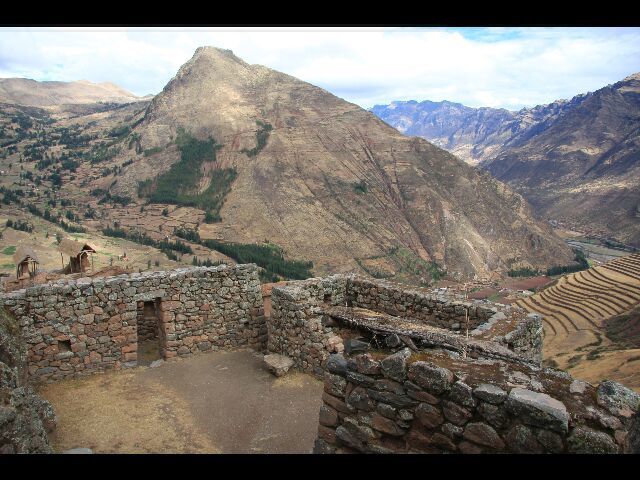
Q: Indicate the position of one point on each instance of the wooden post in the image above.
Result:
(92, 263)
(62, 260)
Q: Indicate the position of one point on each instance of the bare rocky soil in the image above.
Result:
(220, 402)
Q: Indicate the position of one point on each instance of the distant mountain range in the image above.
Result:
(577, 161)
(24, 91)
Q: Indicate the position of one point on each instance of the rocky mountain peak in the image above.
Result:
(629, 84)
(334, 170)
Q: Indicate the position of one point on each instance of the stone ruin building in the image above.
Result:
(405, 370)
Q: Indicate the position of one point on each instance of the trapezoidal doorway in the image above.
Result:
(149, 333)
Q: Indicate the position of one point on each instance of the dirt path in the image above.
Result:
(221, 402)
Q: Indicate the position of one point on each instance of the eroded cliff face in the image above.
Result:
(333, 183)
(584, 167)
(25, 418)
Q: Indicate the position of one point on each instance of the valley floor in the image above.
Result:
(220, 402)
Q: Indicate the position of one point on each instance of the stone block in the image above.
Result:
(462, 394)
(586, 440)
(395, 366)
(434, 379)
(455, 413)
(385, 425)
(337, 364)
(538, 409)
(618, 399)
(429, 416)
(521, 439)
(328, 416)
(366, 365)
(277, 364)
(490, 393)
(483, 434)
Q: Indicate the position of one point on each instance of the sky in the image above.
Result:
(498, 67)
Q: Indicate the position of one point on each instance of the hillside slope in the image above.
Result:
(473, 134)
(578, 313)
(577, 161)
(584, 168)
(24, 91)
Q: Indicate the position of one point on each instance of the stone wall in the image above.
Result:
(449, 392)
(419, 305)
(484, 320)
(433, 402)
(77, 327)
(25, 418)
(295, 326)
(298, 326)
(148, 320)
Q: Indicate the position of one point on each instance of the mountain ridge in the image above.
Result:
(29, 92)
(560, 156)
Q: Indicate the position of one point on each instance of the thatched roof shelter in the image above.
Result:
(26, 261)
(25, 253)
(72, 248)
(78, 254)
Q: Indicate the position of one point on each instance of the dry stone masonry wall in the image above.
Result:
(403, 373)
(404, 370)
(25, 417)
(302, 323)
(418, 305)
(295, 326)
(433, 403)
(78, 327)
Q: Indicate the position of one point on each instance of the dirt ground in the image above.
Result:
(221, 402)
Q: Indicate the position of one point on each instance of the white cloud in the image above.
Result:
(499, 67)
